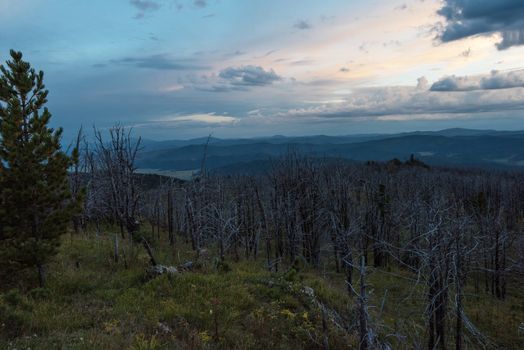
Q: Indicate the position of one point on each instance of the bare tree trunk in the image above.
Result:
(496, 279)
(266, 229)
(116, 249)
(325, 340)
(363, 312)
(431, 309)
(348, 263)
(41, 275)
(149, 251)
(458, 326)
(172, 238)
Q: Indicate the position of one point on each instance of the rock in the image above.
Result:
(310, 292)
(203, 254)
(158, 270)
(188, 265)
(164, 328)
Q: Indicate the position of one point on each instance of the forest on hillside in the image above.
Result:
(312, 254)
(454, 236)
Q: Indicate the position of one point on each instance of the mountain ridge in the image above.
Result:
(449, 147)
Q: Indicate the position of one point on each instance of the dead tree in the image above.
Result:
(117, 158)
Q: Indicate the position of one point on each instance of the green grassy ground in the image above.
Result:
(91, 302)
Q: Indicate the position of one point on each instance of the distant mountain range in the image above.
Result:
(450, 147)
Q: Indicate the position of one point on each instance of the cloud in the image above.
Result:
(511, 38)
(503, 80)
(466, 53)
(234, 53)
(465, 18)
(422, 83)
(405, 103)
(200, 118)
(268, 53)
(200, 3)
(179, 5)
(248, 76)
(159, 62)
(143, 6)
(454, 83)
(325, 18)
(230, 79)
(302, 62)
(303, 25)
(496, 80)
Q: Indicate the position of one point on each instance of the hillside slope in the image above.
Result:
(91, 302)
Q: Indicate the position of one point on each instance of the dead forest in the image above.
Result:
(455, 232)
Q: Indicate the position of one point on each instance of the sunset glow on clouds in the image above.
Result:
(264, 67)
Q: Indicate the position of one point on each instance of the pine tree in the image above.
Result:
(36, 203)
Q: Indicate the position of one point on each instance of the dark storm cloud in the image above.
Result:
(249, 76)
(511, 38)
(159, 62)
(465, 18)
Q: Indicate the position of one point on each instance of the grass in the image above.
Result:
(91, 302)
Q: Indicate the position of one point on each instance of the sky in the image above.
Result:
(179, 69)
